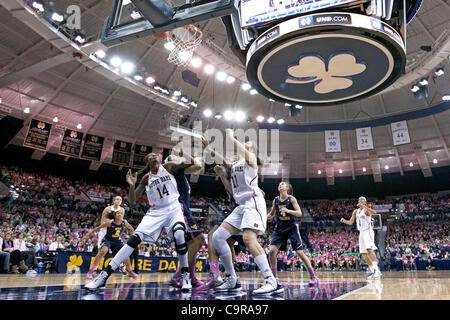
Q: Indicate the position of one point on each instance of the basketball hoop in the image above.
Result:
(185, 40)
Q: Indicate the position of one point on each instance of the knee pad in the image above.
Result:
(134, 241)
(220, 235)
(179, 231)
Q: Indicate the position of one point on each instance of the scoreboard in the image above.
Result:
(255, 12)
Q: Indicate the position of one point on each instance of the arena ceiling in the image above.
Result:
(39, 71)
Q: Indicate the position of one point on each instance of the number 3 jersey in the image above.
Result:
(244, 182)
(114, 232)
(161, 189)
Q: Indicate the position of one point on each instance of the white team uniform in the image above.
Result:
(102, 232)
(252, 211)
(165, 210)
(366, 233)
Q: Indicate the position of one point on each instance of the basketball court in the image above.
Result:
(418, 285)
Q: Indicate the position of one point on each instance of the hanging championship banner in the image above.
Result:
(400, 133)
(140, 151)
(364, 138)
(37, 135)
(71, 143)
(92, 149)
(332, 141)
(121, 153)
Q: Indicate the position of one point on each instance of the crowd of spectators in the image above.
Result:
(43, 213)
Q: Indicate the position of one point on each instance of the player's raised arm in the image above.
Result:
(134, 194)
(368, 210)
(272, 211)
(250, 157)
(221, 173)
(352, 219)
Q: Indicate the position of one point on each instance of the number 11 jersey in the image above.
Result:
(161, 189)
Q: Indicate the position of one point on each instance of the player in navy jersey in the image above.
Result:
(285, 208)
(194, 235)
(111, 240)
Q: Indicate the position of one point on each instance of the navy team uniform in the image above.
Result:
(184, 189)
(285, 227)
(112, 238)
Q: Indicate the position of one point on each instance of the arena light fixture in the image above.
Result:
(280, 121)
(38, 5)
(245, 86)
(193, 104)
(221, 76)
(423, 81)
(228, 115)
(207, 113)
(116, 62)
(150, 80)
(271, 120)
(218, 116)
(439, 72)
(80, 39)
(386, 167)
(271, 100)
(209, 69)
(26, 110)
(253, 92)
(340, 171)
(125, 2)
(100, 53)
(435, 161)
(56, 16)
(55, 119)
(415, 88)
(196, 62)
(287, 104)
(138, 77)
(176, 92)
(411, 164)
(276, 172)
(319, 172)
(446, 97)
(127, 67)
(260, 118)
(230, 79)
(240, 116)
(364, 169)
(79, 126)
(169, 46)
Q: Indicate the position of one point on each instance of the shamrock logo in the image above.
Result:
(199, 265)
(74, 263)
(337, 75)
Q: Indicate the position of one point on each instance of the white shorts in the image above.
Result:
(251, 215)
(101, 235)
(151, 225)
(366, 240)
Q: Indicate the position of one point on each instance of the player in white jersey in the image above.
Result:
(362, 215)
(165, 212)
(249, 217)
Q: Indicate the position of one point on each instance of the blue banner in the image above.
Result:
(68, 262)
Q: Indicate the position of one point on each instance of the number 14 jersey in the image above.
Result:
(161, 189)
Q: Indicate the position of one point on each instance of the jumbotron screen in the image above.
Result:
(262, 11)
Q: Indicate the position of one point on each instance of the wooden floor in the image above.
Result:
(412, 285)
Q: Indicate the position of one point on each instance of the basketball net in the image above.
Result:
(185, 40)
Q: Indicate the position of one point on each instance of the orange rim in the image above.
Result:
(190, 26)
